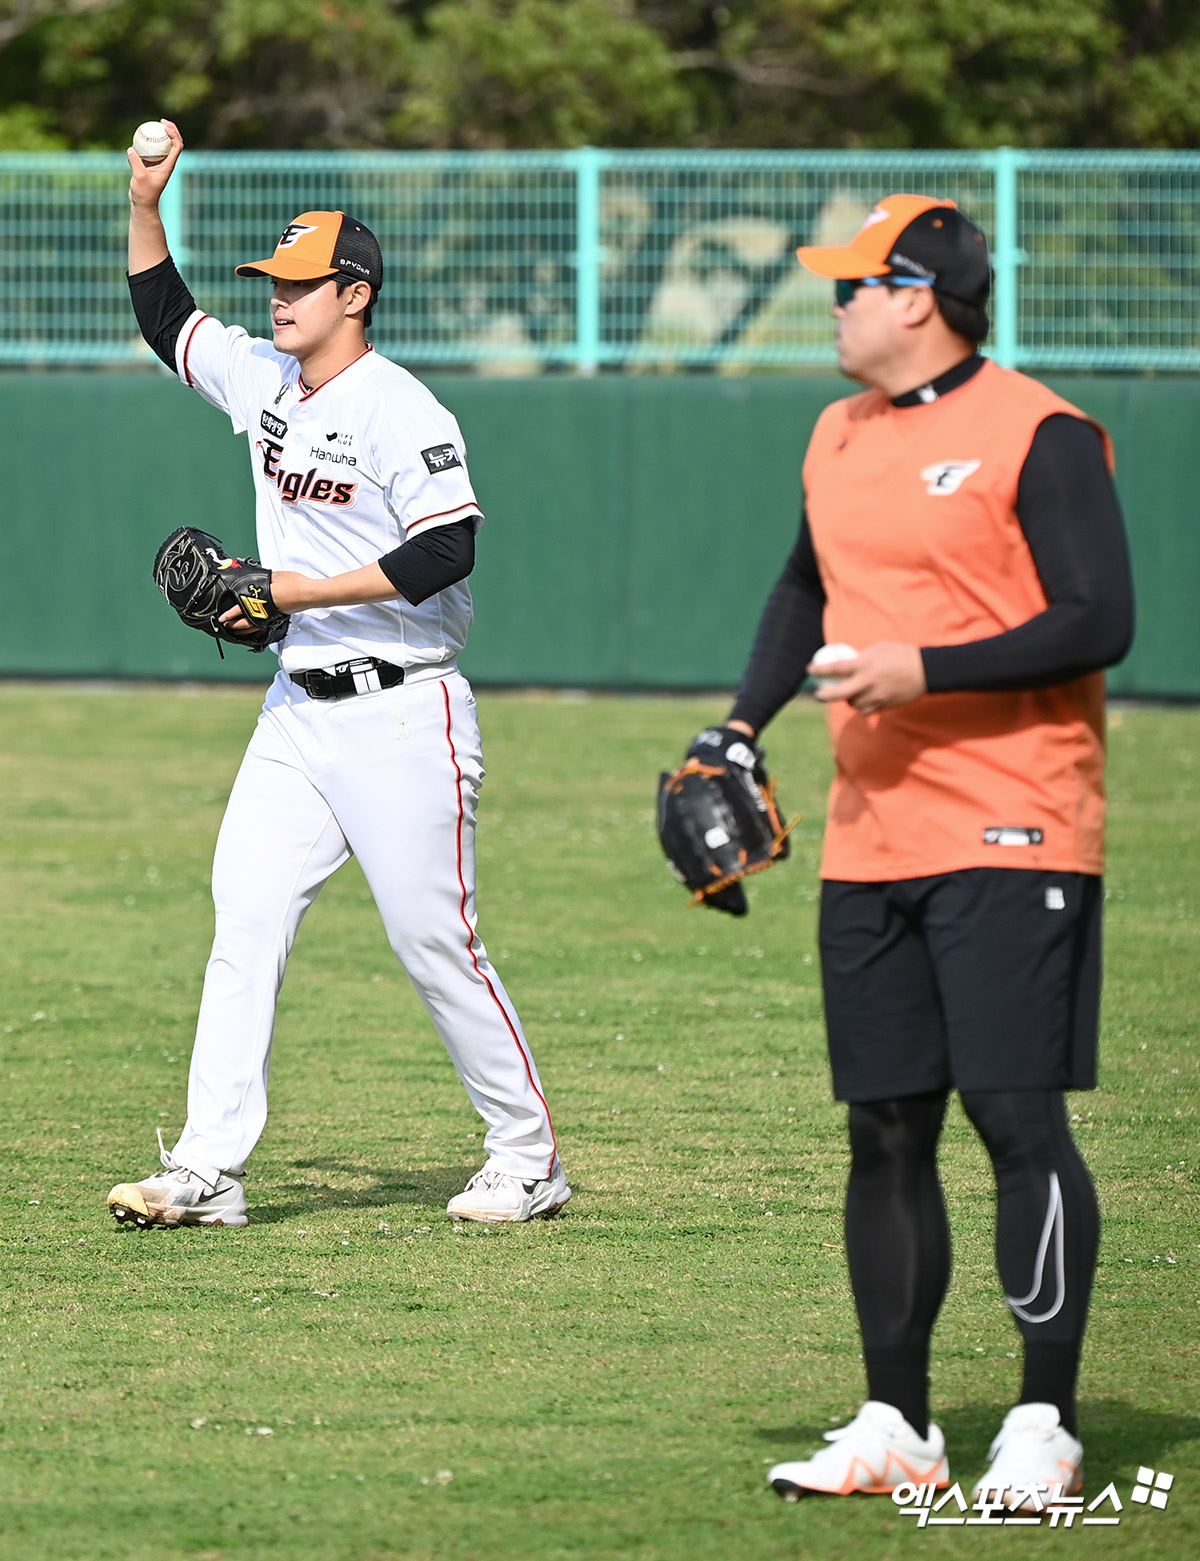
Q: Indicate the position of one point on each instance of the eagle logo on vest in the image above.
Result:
(945, 477)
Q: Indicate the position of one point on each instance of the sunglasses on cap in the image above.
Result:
(845, 288)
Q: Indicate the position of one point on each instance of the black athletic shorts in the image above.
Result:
(985, 979)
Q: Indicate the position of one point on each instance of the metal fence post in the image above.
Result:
(170, 209)
(587, 259)
(1006, 257)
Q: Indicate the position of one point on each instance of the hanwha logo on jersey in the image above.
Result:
(945, 477)
(293, 233)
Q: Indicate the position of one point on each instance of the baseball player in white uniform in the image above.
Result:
(368, 742)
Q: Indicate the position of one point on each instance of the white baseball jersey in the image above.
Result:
(343, 474)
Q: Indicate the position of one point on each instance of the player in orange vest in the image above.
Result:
(962, 536)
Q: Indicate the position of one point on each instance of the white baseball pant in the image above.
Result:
(393, 778)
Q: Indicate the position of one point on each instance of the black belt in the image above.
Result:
(366, 676)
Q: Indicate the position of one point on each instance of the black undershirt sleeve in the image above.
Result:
(431, 562)
(790, 632)
(162, 303)
(1069, 511)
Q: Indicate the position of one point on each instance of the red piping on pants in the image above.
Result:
(462, 910)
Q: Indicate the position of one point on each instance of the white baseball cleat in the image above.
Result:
(1032, 1449)
(495, 1197)
(877, 1451)
(177, 1196)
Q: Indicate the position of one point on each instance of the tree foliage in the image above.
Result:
(543, 73)
(940, 73)
(513, 73)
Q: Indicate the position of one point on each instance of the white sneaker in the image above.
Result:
(1032, 1449)
(495, 1197)
(177, 1196)
(877, 1451)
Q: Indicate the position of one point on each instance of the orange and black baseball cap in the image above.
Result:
(913, 238)
(319, 244)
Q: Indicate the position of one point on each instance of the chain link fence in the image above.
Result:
(647, 262)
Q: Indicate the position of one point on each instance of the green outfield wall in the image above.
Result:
(634, 527)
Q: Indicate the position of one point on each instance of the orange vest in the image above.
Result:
(913, 517)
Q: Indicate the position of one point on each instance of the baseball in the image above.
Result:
(828, 653)
(151, 142)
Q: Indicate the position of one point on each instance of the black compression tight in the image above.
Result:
(897, 1244)
(898, 1241)
(1047, 1234)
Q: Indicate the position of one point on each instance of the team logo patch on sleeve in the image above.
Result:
(275, 426)
(440, 458)
(945, 477)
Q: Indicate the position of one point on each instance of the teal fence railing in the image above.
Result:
(519, 262)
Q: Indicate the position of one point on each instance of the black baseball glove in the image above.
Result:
(718, 820)
(192, 571)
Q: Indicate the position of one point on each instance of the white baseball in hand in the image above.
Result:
(825, 655)
(151, 142)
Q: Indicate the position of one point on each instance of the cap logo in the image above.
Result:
(293, 233)
(880, 214)
(352, 265)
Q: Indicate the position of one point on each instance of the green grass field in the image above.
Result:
(352, 1378)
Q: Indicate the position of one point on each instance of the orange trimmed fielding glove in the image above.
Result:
(718, 820)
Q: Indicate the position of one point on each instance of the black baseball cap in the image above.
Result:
(917, 238)
(320, 244)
